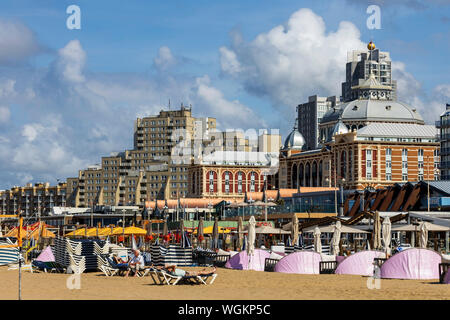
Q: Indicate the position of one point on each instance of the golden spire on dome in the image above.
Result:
(371, 46)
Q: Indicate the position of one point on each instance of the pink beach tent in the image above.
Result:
(415, 263)
(46, 255)
(241, 261)
(359, 263)
(301, 262)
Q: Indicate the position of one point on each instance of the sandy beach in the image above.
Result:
(230, 284)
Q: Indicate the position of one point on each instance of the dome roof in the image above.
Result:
(339, 128)
(294, 140)
(373, 110)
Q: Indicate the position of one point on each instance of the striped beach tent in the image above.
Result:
(8, 255)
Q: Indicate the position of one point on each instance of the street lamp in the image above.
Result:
(210, 207)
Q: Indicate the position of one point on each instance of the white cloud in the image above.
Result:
(229, 114)
(17, 41)
(71, 61)
(292, 61)
(164, 59)
(410, 90)
(5, 114)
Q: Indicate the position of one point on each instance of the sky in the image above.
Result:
(70, 96)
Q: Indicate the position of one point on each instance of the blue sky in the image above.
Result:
(57, 81)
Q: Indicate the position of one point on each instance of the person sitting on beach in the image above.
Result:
(180, 272)
(136, 263)
(118, 260)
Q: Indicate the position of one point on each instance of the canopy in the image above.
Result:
(411, 227)
(210, 229)
(102, 232)
(359, 263)
(414, 263)
(43, 233)
(129, 231)
(77, 232)
(270, 230)
(242, 261)
(302, 262)
(330, 229)
(14, 233)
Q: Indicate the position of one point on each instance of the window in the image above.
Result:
(388, 176)
(211, 181)
(239, 182)
(227, 182)
(405, 177)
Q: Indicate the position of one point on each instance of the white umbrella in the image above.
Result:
(317, 241)
(251, 236)
(133, 243)
(336, 238)
(376, 230)
(387, 235)
(294, 229)
(423, 240)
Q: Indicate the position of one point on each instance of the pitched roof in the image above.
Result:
(401, 130)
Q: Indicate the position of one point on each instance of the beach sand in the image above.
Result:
(229, 284)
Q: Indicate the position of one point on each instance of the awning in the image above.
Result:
(330, 229)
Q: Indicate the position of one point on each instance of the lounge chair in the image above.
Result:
(49, 266)
(109, 268)
(171, 279)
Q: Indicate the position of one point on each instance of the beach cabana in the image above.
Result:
(415, 263)
(241, 260)
(360, 263)
(302, 262)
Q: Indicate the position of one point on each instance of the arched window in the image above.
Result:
(301, 175)
(294, 176)
(320, 174)
(253, 179)
(314, 174)
(308, 175)
(212, 181)
(240, 182)
(227, 184)
(344, 164)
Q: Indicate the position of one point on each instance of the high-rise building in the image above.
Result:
(309, 115)
(369, 141)
(444, 125)
(360, 63)
(165, 147)
(37, 199)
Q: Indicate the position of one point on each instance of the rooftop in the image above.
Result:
(401, 130)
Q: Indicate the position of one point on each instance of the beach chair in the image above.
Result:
(171, 279)
(221, 260)
(443, 269)
(269, 264)
(327, 267)
(109, 268)
(49, 266)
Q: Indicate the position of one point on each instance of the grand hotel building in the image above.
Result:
(371, 141)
